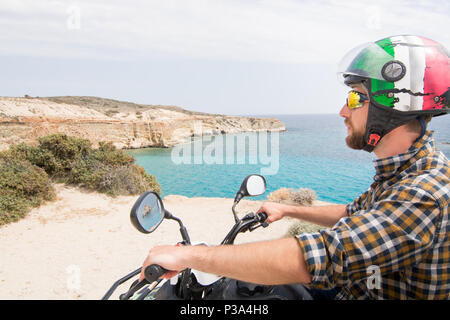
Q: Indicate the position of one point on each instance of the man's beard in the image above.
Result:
(355, 140)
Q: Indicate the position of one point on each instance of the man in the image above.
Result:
(393, 242)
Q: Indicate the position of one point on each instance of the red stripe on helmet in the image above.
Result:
(436, 78)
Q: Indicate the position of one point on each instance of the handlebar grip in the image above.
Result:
(262, 216)
(153, 272)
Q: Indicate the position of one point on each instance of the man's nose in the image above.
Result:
(345, 111)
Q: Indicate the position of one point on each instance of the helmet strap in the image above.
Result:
(382, 120)
(423, 127)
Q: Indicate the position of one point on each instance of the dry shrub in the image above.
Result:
(300, 197)
(303, 197)
(299, 227)
(127, 180)
(282, 194)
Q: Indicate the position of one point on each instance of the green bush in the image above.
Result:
(37, 156)
(63, 151)
(127, 180)
(22, 186)
(73, 161)
(26, 171)
(108, 154)
(111, 171)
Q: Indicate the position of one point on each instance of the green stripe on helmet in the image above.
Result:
(386, 45)
(377, 85)
(383, 99)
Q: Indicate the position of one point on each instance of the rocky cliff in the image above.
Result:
(126, 124)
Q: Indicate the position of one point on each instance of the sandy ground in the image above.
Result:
(78, 245)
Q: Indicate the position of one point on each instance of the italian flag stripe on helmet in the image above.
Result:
(416, 62)
(377, 85)
(436, 74)
(402, 53)
(424, 72)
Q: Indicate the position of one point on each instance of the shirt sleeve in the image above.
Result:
(356, 205)
(395, 233)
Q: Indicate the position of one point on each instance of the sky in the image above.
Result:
(219, 56)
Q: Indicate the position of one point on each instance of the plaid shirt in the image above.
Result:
(395, 241)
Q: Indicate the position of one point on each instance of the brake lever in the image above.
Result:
(248, 216)
(136, 285)
(264, 225)
(260, 217)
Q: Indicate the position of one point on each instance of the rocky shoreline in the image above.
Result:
(127, 125)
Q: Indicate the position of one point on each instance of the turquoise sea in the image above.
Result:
(311, 154)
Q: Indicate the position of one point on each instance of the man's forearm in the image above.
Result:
(326, 216)
(269, 262)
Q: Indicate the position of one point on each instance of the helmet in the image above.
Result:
(406, 77)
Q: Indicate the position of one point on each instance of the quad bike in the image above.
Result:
(147, 214)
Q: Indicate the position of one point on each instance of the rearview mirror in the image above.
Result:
(253, 185)
(147, 212)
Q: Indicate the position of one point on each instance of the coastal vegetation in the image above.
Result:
(296, 197)
(27, 172)
(291, 196)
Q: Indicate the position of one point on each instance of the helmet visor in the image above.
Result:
(366, 60)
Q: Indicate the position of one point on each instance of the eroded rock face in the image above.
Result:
(126, 125)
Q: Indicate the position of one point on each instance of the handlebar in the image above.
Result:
(246, 223)
(154, 272)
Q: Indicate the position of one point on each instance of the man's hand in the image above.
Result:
(274, 211)
(168, 257)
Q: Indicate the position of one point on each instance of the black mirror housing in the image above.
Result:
(253, 185)
(148, 212)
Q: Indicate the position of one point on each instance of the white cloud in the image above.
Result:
(266, 30)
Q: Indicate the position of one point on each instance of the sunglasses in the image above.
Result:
(356, 99)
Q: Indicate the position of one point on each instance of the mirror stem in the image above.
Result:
(183, 230)
(184, 234)
(233, 208)
(238, 197)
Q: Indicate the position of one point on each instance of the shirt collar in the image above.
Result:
(387, 167)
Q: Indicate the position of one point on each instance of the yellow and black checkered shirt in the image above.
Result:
(395, 241)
